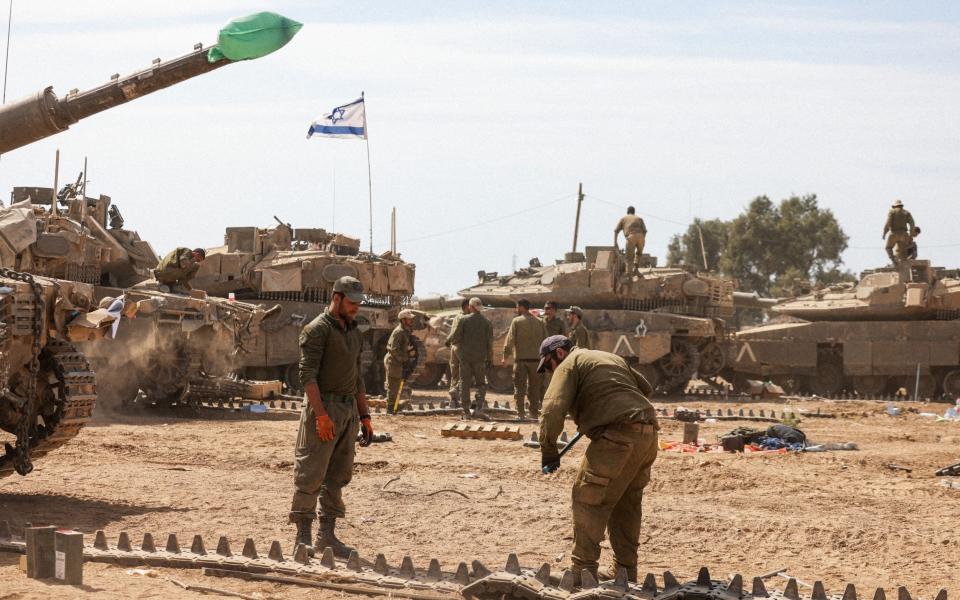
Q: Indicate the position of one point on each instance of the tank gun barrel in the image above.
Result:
(43, 114)
(753, 300)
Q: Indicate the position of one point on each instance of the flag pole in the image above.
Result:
(366, 136)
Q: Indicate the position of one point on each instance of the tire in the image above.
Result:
(429, 376)
(679, 365)
(829, 379)
(871, 386)
(712, 360)
(500, 379)
(951, 384)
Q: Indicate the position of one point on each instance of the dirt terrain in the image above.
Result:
(836, 516)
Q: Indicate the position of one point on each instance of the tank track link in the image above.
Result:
(470, 581)
(75, 394)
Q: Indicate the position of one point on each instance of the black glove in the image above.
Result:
(549, 464)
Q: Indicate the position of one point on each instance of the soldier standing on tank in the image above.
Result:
(607, 400)
(335, 400)
(635, 235)
(397, 357)
(178, 267)
(899, 225)
(454, 392)
(579, 334)
(523, 343)
(472, 336)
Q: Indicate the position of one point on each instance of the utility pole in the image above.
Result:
(576, 226)
(393, 231)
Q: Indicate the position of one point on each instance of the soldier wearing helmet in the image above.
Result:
(397, 359)
(900, 226)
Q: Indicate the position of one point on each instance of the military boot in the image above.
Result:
(327, 538)
(893, 259)
(611, 573)
(304, 527)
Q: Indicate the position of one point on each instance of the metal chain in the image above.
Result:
(22, 462)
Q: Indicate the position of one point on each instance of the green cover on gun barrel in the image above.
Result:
(253, 36)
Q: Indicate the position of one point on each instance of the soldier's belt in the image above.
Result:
(635, 426)
(330, 397)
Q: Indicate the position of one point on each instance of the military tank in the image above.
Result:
(47, 388)
(295, 270)
(897, 327)
(668, 321)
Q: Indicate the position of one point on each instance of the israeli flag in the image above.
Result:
(347, 121)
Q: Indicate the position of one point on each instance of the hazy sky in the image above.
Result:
(484, 117)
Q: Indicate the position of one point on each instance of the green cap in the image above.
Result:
(349, 287)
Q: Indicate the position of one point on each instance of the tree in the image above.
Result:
(768, 247)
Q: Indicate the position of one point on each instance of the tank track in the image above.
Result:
(75, 393)
(473, 581)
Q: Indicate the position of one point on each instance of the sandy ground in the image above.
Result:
(839, 516)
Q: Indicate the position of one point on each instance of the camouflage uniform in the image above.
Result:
(580, 336)
(473, 338)
(177, 269)
(329, 356)
(523, 343)
(608, 402)
(899, 224)
(394, 361)
(635, 232)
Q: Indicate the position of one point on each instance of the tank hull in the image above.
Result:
(863, 357)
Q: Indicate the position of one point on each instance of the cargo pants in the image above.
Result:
(322, 469)
(900, 239)
(635, 243)
(608, 493)
(472, 373)
(455, 377)
(527, 381)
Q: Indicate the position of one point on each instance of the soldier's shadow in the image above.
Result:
(84, 515)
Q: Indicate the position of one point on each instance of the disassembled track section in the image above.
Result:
(473, 581)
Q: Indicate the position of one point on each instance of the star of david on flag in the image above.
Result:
(347, 121)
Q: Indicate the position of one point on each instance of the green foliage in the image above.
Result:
(769, 247)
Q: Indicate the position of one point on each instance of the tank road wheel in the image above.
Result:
(951, 384)
(651, 374)
(926, 389)
(429, 376)
(871, 386)
(712, 360)
(500, 379)
(829, 379)
(679, 365)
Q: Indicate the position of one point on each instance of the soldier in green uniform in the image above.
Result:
(635, 236)
(551, 322)
(336, 399)
(579, 334)
(607, 400)
(472, 336)
(523, 343)
(178, 267)
(454, 391)
(397, 357)
(899, 225)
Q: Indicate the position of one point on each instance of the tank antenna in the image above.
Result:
(576, 225)
(56, 183)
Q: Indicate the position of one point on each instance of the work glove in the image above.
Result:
(366, 431)
(549, 464)
(325, 428)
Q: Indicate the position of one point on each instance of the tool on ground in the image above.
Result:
(550, 468)
(396, 403)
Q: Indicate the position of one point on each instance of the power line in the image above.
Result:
(488, 221)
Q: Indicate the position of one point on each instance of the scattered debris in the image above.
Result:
(952, 470)
(896, 467)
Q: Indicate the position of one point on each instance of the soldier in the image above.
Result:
(551, 322)
(899, 225)
(523, 343)
(579, 334)
(330, 375)
(912, 248)
(635, 235)
(608, 402)
(179, 267)
(472, 336)
(396, 358)
(455, 360)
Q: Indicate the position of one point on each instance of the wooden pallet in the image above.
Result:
(485, 431)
